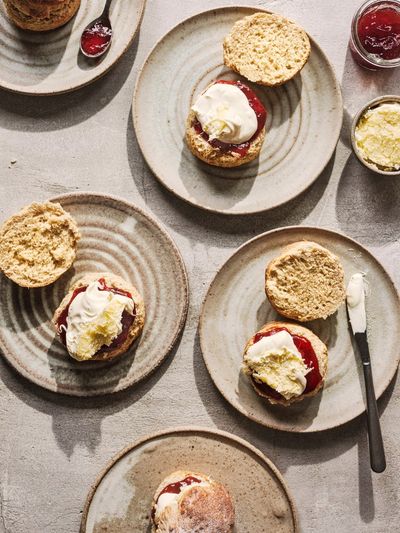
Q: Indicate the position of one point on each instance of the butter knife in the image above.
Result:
(355, 299)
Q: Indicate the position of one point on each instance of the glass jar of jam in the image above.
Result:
(375, 34)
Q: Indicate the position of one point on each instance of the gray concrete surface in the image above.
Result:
(51, 447)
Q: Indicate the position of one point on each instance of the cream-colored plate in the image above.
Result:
(121, 498)
(236, 307)
(120, 238)
(303, 124)
(42, 63)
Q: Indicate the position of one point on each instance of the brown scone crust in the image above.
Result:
(321, 351)
(38, 244)
(201, 509)
(305, 282)
(213, 156)
(41, 15)
(266, 48)
(115, 282)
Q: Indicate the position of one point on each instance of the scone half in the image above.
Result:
(131, 329)
(196, 504)
(225, 154)
(314, 379)
(305, 282)
(266, 48)
(38, 244)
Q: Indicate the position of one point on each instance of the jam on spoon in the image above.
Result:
(96, 37)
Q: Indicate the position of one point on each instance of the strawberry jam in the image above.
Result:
(258, 109)
(175, 488)
(126, 319)
(379, 31)
(308, 355)
(96, 39)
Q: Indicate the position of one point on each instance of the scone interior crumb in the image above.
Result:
(38, 244)
(306, 284)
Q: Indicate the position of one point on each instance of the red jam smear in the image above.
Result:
(308, 355)
(126, 319)
(95, 39)
(261, 115)
(175, 488)
(379, 32)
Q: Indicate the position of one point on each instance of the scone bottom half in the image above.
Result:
(38, 244)
(100, 317)
(189, 501)
(215, 151)
(266, 48)
(285, 363)
(305, 282)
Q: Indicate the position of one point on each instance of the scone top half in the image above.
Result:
(191, 502)
(38, 244)
(100, 317)
(285, 362)
(226, 124)
(305, 282)
(266, 48)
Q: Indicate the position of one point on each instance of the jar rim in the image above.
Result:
(370, 58)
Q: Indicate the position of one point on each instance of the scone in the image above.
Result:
(305, 282)
(226, 125)
(188, 502)
(285, 362)
(266, 48)
(100, 317)
(38, 244)
(41, 15)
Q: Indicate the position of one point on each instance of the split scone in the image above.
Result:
(188, 502)
(38, 244)
(285, 362)
(305, 282)
(266, 48)
(226, 124)
(100, 317)
(41, 15)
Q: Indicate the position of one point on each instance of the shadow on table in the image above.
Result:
(367, 204)
(77, 420)
(49, 113)
(191, 221)
(286, 449)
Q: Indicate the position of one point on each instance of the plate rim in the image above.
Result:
(20, 369)
(16, 89)
(140, 135)
(201, 326)
(184, 430)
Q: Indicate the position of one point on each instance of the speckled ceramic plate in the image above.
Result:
(42, 63)
(120, 500)
(116, 237)
(303, 124)
(236, 307)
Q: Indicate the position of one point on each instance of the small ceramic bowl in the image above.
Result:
(373, 103)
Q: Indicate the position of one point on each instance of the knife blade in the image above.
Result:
(355, 299)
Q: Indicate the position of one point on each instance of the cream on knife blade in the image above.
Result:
(355, 296)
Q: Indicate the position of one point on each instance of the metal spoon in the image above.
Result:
(99, 32)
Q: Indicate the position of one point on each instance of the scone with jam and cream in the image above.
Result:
(226, 124)
(285, 362)
(100, 317)
(187, 501)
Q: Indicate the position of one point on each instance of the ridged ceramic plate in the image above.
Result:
(120, 500)
(303, 124)
(236, 307)
(116, 237)
(49, 62)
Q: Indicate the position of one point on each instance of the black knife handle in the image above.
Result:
(376, 449)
